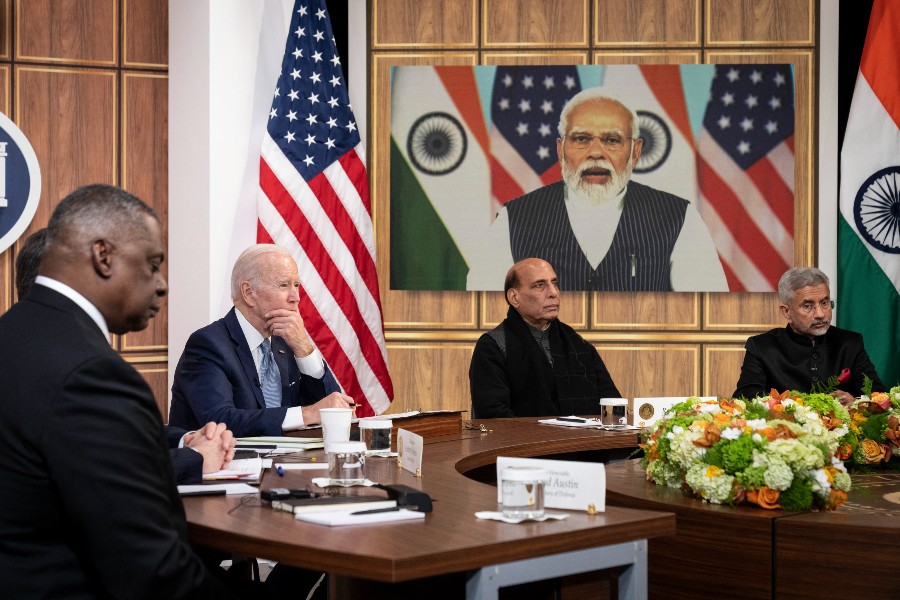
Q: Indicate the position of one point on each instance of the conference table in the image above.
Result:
(457, 472)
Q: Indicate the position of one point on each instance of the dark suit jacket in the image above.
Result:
(785, 360)
(187, 463)
(88, 505)
(216, 380)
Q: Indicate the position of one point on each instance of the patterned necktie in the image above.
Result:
(269, 376)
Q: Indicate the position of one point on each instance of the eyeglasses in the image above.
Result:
(808, 307)
(611, 141)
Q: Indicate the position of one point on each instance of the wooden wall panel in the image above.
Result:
(402, 309)
(524, 23)
(722, 368)
(647, 22)
(145, 33)
(424, 23)
(4, 90)
(145, 127)
(742, 312)
(5, 29)
(646, 311)
(647, 57)
(640, 370)
(69, 115)
(156, 375)
(760, 22)
(430, 376)
(85, 31)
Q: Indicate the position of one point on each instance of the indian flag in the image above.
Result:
(440, 181)
(869, 224)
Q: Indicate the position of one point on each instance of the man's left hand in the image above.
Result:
(288, 325)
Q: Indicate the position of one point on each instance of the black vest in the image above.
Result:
(639, 258)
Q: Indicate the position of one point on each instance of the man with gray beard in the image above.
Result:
(601, 230)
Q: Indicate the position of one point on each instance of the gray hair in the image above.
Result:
(797, 278)
(593, 93)
(249, 266)
(97, 211)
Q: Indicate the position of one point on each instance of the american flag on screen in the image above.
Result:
(745, 171)
(314, 201)
(525, 107)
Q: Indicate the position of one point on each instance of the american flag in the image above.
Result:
(314, 201)
(745, 171)
(525, 107)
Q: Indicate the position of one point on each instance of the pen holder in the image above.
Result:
(346, 462)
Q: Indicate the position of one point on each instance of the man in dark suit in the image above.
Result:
(808, 351)
(256, 369)
(192, 453)
(532, 364)
(597, 227)
(88, 504)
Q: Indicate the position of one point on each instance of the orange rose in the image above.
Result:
(783, 432)
(765, 497)
(768, 433)
(711, 435)
(844, 451)
(836, 498)
(830, 421)
(880, 402)
(893, 430)
(873, 451)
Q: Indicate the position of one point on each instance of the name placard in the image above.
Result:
(571, 485)
(409, 451)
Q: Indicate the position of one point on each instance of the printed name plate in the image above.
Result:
(572, 485)
(409, 451)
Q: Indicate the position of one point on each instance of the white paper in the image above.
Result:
(498, 516)
(230, 488)
(336, 518)
(242, 468)
(324, 482)
(302, 466)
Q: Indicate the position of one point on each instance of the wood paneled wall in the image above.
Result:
(655, 344)
(87, 83)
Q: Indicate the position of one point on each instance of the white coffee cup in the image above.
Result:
(335, 424)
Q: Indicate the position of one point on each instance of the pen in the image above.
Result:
(280, 470)
(382, 510)
(352, 405)
(571, 419)
(203, 493)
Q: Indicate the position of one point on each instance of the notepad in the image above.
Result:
(334, 519)
(332, 504)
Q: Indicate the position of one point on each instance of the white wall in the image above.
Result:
(224, 58)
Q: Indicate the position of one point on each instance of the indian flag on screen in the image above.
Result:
(869, 223)
(440, 183)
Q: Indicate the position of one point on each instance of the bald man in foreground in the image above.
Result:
(532, 364)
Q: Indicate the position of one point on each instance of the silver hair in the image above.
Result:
(797, 278)
(592, 93)
(97, 211)
(249, 266)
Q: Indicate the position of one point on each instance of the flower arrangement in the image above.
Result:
(781, 451)
(875, 427)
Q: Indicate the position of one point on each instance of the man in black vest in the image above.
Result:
(808, 351)
(531, 364)
(601, 230)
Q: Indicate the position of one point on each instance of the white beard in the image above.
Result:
(598, 193)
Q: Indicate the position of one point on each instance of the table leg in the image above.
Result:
(485, 583)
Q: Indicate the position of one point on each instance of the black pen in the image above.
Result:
(572, 419)
(382, 510)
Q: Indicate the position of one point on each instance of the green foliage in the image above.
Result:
(752, 478)
(825, 387)
(737, 455)
(867, 385)
(826, 405)
(714, 456)
(875, 427)
(797, 497)
(756, 411)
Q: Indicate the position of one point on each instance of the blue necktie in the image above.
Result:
(269, 377)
